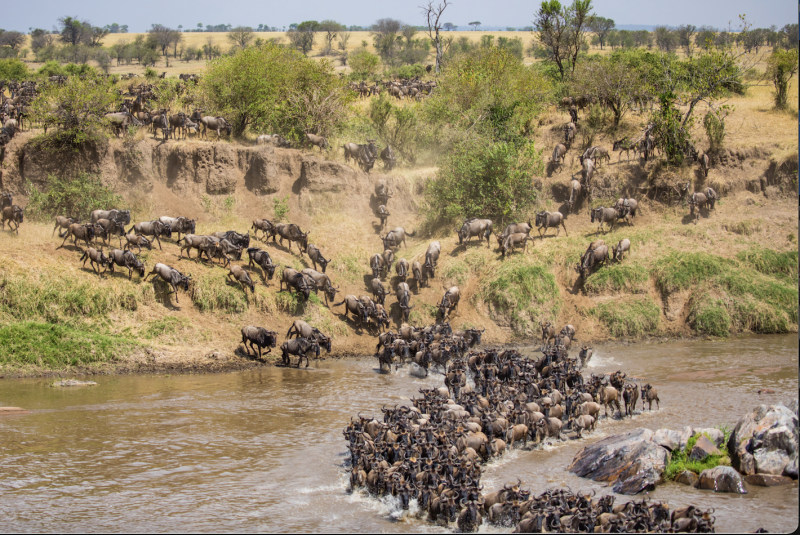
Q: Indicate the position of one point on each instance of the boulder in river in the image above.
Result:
(703, 448)
(687, 477)
(764, 480)
(632, 462)
(771, 462)
(765, 441)
(73, 382)
(667, 438)
(686, 434)
(715, 435)
(722, 479)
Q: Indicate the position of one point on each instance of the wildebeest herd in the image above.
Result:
(432, 450)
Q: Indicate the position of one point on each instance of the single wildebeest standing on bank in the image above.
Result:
(292, 233)
(96, 257)
(378, 291)
(403, 295)
(382, 192)
(61, 223)
(419, 278)
(14, 215)
(300, 347)
(514, 240)
(83, 232)
(127, 260)
(383, 215)
(395, 238)
(316, 257)
(649, 394)
(603, 215)
(401, 267)
(355, 307)
(630, 394)
(377, 264)
(317, 141)
(546, 220)
(174, 277)
(482, 228)
(388, 158)
(588, 171)
(242, 277)
(702, 200)
(574, 193)
(432, 259)
(258, 337)
(559, 155)
(620, 249)
(264, 261)
(705, 163)
(450, 301)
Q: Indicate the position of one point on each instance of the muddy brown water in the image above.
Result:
(263, 450)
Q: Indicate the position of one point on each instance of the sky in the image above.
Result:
(141, 14)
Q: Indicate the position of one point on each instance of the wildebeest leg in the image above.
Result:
(66, 237)
(159, 242)
(565, 229)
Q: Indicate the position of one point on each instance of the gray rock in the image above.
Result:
(667, 438)
(791, 468)
(632, 462)
(771, 462)
(780, 438)
(793, 406)
(717, 436)
(752, 433)
(703, 448)
(73, 382)
(686, 434)
(764, 480)
(722, 479)
(687, 478)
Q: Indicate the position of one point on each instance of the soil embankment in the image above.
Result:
(735, 271)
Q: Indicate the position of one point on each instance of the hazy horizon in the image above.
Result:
(497, 15)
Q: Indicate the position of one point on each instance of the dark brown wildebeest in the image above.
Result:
(569, 133)
(548, 331)
(264, 261)
(546, 220)
(482, 228)
(649, 395)
(591, 259)
(624, 145)
(110, 228)
(419, 278)
(403, 295)
(78, 231)
(382, 192)
(388, 158)
(377, 264)
(302, 284)
(702, 200)
(402, 269)
(292, 233)
(514, 240)
(383, 215)
(301, 329)
(127, 260)
(98, 257)
(6, 199)
(316, 257)
(14, 215)
(300, 347)
(138, 241)
(355, 307)
(603, 215)
(258, 337)
(242, 277)
(174, 277)
(388, 259)
(704, 161)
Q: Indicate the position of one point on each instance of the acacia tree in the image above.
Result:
(433, 15)
(685, 33)
(241, 36)
(385, 34)
(601, 26)
(781, 67)
(331, 29)
(562, 29)
(73, 31)
(301, 36)
(610, 80)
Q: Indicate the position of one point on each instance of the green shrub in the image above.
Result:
(56, 346)
(13, 69)
(213, 292)
(631, 317)
(712, 319)
(411, 71)
(629, 278)
(521, 294)
(771, 262)
(51, 68)
(363, 64)
(680, 462)
(75, 197)
(280, 208)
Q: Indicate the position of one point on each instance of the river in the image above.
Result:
(263, 450)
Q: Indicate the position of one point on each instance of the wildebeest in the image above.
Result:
(108, 228)
(388, 158)
(559, 155)
(300, 347)
(322, 282)
(356, 307)
(569, 133)
(588, 171)
(264, 261)
(225, 251)
(382, 192)
(316, 257)
(98, 257)
(242, 277)
(419, 277)
(603, 215)
(596, 154)
(591, 259)
(377, 264)
(624, 145)
(432, 259)
(395, 238)
(14, 215)
(383, 215)
(217, 124)
(273, 139)
(83, 232)
(401, 268)
(514, 228)
(317, 141)
(482, 228)
(6, 199)
(301, 329)
(704, 163)
(151, 228)
(546, 220)
(404, 300)
(161, 122)
(626, 208)
(574, 193)
(378, 291)
(620, 249)
(174, 277)
(293, 279)
(123, 217)
(649, 394)
(702, 200)
(514, 240)
(630, 394)
(137, 240)
(120, 121)
(292, 233)
(388, 259)
(127, 260)
(242, 240)
(265, 226)
(258, 337)
(195, 241)
(449, 301)
(179, 224)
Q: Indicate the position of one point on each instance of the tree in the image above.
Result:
(73, 31)
(331, 29)
(163, 37)
(341, 43)
(12, 39)
(385, 38)
(433, 15)
(601, 26)
(95, 35)
(704, 37)
(475, 24)
(301, 36)
(789, 33)
(561, 29)
(241, 36)
(685, 34)
(363, 64)
(613, 80)
(665, 39)
(781, 67)
(40, 39)
(449, 26)
(275, 89)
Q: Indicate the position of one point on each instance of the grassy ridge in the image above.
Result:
(630, 317)
(619, 278)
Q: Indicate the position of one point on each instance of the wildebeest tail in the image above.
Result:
(85, 254)
(337, 304)
(412, 234)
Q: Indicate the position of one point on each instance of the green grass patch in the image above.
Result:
(521, 294)
(756, 301)
(618, 278)
(211, 293)
(350, 266)
(56, 346)
(680, 462)
(455, 272)
(165, 326)
(630, 317)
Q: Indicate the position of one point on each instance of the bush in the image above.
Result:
(363, 64)
(396, 126)
(51, 68)
(411, 71)
(616, 278)
(680, 462)
(73, 197)
(479, 178)
(13, 69)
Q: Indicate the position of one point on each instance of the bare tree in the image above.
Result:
(433, 15)
(12, 39)
(344, 37)
(241, 36)
(331, 29)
